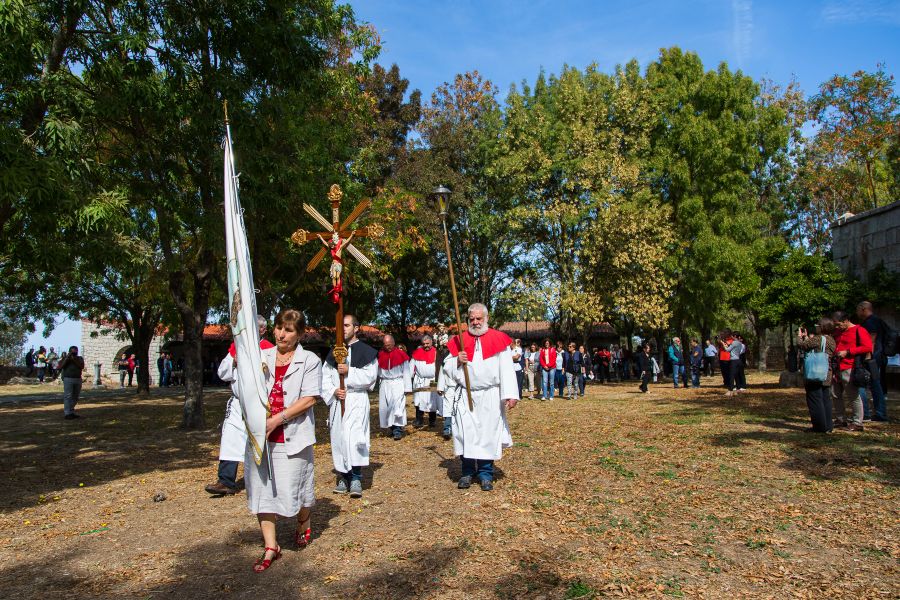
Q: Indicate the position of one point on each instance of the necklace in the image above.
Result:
(283, 359)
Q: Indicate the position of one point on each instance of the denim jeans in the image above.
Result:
(355, 474)
(581, 382)
(571, 390)
(228, 473)
(676, 371)
(878, 402)
(484, 469)
(548, 378)
(71, 391)
(695, 375)
(560, 381)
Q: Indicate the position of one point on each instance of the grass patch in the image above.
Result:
(521, 445)
(613, 465)
(672, 586)
(578, 590)
(667, 474)
(756, 544)
(874, 552)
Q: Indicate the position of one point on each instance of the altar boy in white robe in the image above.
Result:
(423, 373)
(396, 382)
(350, 431)
(479, 436)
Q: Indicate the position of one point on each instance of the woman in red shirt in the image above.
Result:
(548, 369)
(294, 381)
(852, 341)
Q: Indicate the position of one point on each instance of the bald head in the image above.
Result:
(864, 309)
(388, 342)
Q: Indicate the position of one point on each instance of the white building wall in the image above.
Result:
(104, 344)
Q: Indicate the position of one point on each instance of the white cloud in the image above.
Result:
(742, 28)
(861, 11)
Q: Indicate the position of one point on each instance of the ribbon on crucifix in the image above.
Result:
(336, 239)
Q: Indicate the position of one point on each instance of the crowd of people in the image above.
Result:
(564, 369)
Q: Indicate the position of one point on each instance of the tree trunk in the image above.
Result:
(141, 343)
(192, 328)
(762, 347)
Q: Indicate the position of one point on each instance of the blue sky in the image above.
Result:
(508, 41)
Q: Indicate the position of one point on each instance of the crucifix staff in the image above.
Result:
(442, 193)
(336, 239)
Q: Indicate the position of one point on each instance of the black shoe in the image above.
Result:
(398, 435)
(464, 482)
(487, 485)
(72, 416)
(447, 435)
(418, 423)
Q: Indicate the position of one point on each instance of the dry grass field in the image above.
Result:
(677, 493)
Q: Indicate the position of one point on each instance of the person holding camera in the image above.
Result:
(70, 369)
(818, 391)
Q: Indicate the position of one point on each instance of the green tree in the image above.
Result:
(704, 147)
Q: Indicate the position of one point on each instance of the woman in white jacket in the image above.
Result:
(294, 381)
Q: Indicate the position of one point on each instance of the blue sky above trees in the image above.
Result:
(508, 41)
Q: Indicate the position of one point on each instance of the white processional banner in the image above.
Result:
(251, 369)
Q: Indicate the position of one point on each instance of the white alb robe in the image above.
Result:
(350, 433)
(396, 382)
(234, 432)
(484, 433)
(448, 391)
(423, 374)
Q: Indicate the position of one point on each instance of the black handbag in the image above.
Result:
(860, 376)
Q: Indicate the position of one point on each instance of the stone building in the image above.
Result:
(862, 242)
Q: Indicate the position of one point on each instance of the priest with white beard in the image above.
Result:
(423, 372)
(480, 435)
(350, 431)
(396, 382)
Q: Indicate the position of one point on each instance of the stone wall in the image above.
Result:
(106, 344)
(862, 242)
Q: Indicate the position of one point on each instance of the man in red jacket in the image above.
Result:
(852, 341)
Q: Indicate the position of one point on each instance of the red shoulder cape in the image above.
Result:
(264, 344)
(426, 356)
(492, 343)
(389, 360)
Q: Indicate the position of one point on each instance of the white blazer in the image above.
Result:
(303, 378)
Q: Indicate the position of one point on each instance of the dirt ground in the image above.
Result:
(677, 493)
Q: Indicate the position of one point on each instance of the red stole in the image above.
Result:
(493, 342)
(426, 356)
(264, 344)
(389, 360)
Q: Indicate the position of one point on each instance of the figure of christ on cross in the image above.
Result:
(340, 237)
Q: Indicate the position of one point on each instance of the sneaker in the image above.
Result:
(464, 482)
(855, 427)
(448, 434)
(398, 434)
(356, 489)
(341, 487)
(487, 485)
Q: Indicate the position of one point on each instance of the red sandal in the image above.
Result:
(303, 538)
(264, 563)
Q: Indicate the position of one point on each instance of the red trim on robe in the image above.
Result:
(264, 344)
(389, 360)
(493, 342)
(426, 356)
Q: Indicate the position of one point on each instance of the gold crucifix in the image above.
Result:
(335, 239)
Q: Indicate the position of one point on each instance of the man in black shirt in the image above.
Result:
(877, 328)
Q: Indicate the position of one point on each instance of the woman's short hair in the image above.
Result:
(291, 318)
(826, 326)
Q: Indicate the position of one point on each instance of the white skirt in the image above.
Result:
(293, 486)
